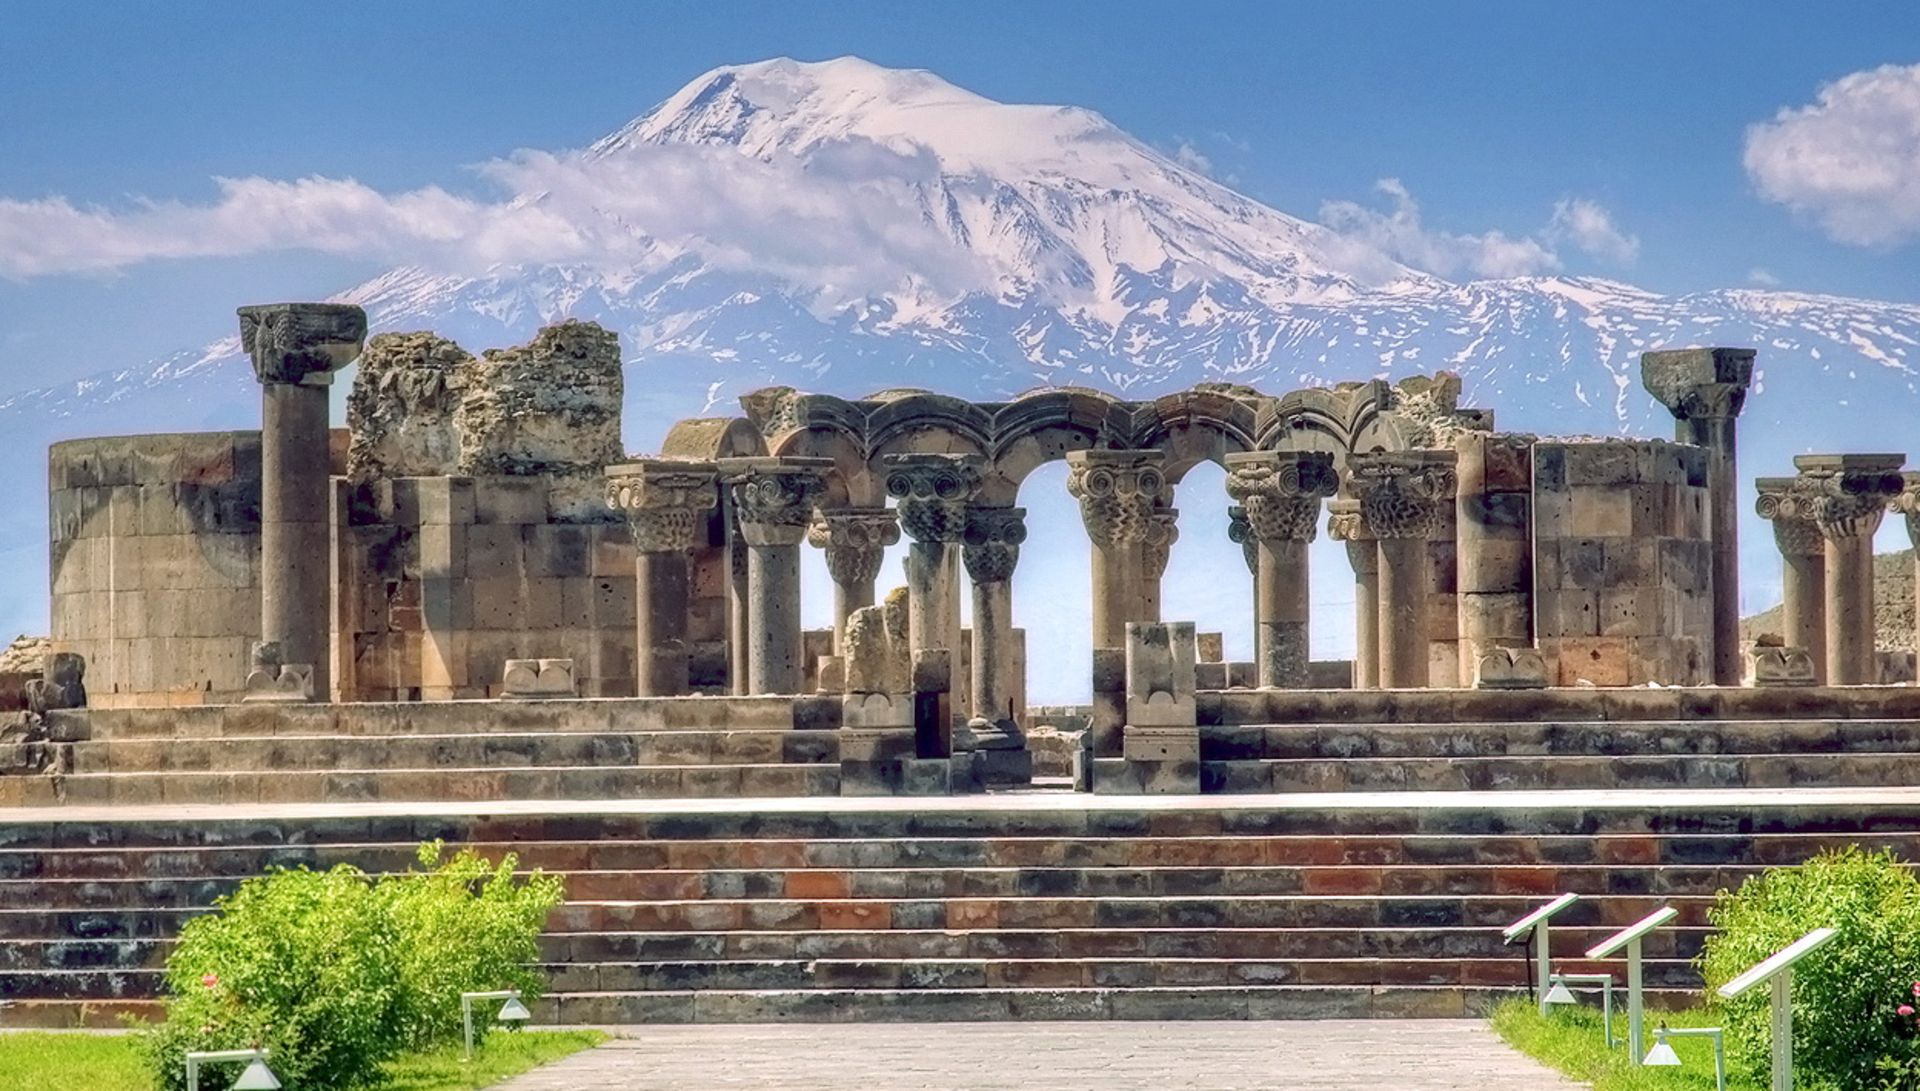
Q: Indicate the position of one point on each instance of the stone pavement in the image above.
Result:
(1333, 1055)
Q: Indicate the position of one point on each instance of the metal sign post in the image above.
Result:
(1779, 970)
(1630, 938)
(1538, 924)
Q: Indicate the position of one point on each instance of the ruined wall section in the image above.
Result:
(1622, 562)
(155, 552)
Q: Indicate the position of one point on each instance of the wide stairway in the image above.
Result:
(1013, 906)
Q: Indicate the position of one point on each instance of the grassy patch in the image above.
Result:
(1573, 1043)
(109, 1062)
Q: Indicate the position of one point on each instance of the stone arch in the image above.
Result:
(1204, 424)
(1041, 426)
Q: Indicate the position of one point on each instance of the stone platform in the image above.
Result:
(1029, 906)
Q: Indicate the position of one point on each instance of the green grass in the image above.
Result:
(1572, 1042)
(109, 1062)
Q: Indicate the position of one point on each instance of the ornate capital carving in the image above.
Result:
(1848, 494)
(301, 343)
(1698, 384)
(1240, 530)
(1403, 494)
(774, 498)
(1784, 502)
(993, 538)
(1908, 504)
(854, 540)
(1156, 549)
(1118, 491)
(666, 501)
(932, 491)
(1281, 491)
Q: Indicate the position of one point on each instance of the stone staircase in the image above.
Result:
(1469, 756)
(1064, 907)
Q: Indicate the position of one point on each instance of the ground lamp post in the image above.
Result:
(1537, 923)
(1663, 1056)
(1630, 938)
(512, 1013)
(1779, 970)
(1560, 994)
(255, 1077)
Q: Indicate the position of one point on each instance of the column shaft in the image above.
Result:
(1112, 593)
(1403, 613)
(294, 500)
(773, 626)
(660, 635)
(1803, 586)
(1716, 434)
(992, 661)
(739, 606)
(1851, 659)
(1365, 556)
(1281, 614)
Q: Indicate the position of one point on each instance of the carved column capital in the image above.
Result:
(1403, 494)
(993, 538)
(1908, 504)
(1118, 491)
(854, 540)
(774, 498)
(1785, 503)
(932, 491)
(1156, 549)
(665, 501)
(1281, 491)
(1699, 384)
(301, 344)
(1240, 530)
(1849, 493)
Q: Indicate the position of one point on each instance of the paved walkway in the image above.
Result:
(1402, 1055)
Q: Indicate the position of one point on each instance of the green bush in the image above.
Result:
(1848, 1030)
(336, 973)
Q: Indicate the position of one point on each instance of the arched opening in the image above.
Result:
(1207, 581)
(1330, 597)
(1053, 591)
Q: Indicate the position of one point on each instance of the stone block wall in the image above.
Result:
(1622, 562)
(455, 575)
(155, 545)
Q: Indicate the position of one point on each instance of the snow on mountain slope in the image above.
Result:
(1047, 247)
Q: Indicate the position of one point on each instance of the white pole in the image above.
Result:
(466, 1023)
(1636, 1008)
(1783, 1030)
(1543, 961)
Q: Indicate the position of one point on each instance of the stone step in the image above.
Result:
(433, 718)
(971, 882)
(1704, 704)
(1501, 773)
(439, 784)
(283, 753)
(1649, 738)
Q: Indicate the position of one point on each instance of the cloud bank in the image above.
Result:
(1851, 160)
(1399, 233)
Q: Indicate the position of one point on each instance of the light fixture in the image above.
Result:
(513, 1013)
(257, 1077)
(1558, 993)
(1538, 925)
(1662, 1054)
(1630, 938)
(1561, 992)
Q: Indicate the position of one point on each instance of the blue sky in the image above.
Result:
(1488, 114)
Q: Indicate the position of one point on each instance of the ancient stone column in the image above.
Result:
(739, 606)
(296, 348)
(1849, 498)
(1803, 566)
(774, 499)
(666, 503)
(1908, 504)
(1705, 390)
(1402, 495)
(1155, 550)
(1363, 553)
(854, 539)
(993, 538)
(1493, 532)
(1281, 492)
(931, 494)
(1118, 492)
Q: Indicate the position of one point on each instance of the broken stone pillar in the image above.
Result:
(1155, 550)
(1849, 495)
(993, 538)
(1363, 553)
(1803, 567)
(1118, 492)
(1403, 494)
(296, 348)
(931, 493)
(1281, 493)
(774, 499)
(1161, 750)
(854, 541)
(1705, 389)
(400, 411)
(666, 503)
(1493, 526)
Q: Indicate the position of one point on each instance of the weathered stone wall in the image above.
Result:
(552, 407)
(455, 575)
(1622, 555)
(155, 551)
(400, 411)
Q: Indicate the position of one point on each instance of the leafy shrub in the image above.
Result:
(336, 973)
(1848, 1030)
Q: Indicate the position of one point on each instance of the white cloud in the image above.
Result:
(1399, 234)
(1590, 229)
(1192, 158)
(1757, 275)
(850, 220)
(1851, 160)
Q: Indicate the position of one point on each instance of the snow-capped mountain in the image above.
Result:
(922, 235)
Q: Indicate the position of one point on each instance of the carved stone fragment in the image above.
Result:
(400, 412)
